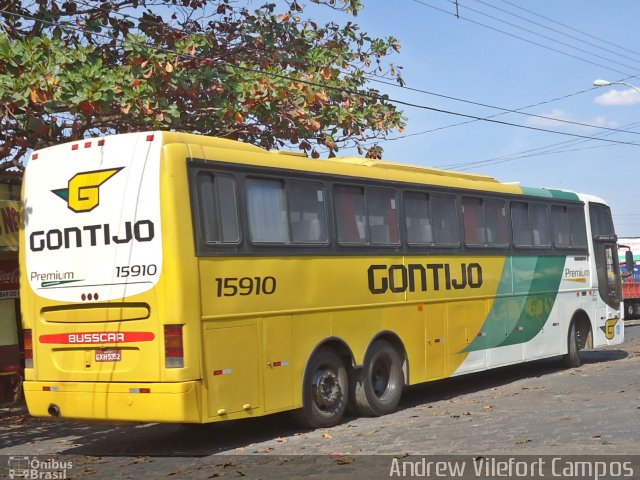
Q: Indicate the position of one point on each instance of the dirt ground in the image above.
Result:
(539, 410)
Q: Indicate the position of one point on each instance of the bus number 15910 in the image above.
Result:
(231, 286)
(136, 270)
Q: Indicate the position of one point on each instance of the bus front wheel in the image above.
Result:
(325, 391)
(572, 357)
(377, 387)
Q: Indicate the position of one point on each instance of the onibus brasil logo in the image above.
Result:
(83, 189)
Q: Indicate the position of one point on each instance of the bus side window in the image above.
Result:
(350, 214)
(473, 218)
(445, 219)
(577, 227)
(560, 221)
(267, 211)
(522, 232)
(418, 218)
(217, 208)
(382, 217)
(539, 218)
(307, 212)
(495, 213)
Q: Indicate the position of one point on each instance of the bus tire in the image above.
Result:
(572, 358)
(325, 391)
(377, 386)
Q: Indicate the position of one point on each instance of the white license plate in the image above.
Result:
(108, 355)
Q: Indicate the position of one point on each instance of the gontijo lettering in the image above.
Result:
(90, 235)
(422, 277)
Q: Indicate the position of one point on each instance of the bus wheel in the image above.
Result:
(572, 357)
(377, 387)
(325, 391)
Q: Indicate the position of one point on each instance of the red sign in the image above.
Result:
(91, 338)
(9, 279)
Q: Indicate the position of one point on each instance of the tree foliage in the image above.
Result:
(265, 75)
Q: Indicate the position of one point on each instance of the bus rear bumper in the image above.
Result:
(132, 402)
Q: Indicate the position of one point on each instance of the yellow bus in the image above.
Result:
(169, 277)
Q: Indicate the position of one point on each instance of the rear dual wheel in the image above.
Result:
(373, 390)
(325, 391)
(376, 388)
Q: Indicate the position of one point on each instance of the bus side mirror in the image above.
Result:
(628, 260)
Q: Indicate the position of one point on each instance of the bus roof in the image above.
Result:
(347, 166)
(233, 151)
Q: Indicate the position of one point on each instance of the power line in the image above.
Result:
(602, 40)
(510, 110)
(555, 31)
(553, 149)
(423, 3)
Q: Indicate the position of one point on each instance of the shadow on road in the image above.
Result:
(166, 440)
(475, 382)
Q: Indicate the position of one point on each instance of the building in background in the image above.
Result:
(11, 342)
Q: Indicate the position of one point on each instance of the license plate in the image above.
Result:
(108, 355)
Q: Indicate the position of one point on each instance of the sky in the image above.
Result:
(510, 54)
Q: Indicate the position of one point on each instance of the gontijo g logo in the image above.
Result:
(83, 195)
(83, 190)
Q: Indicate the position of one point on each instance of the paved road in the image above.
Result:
(532, 409)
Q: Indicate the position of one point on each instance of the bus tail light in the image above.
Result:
(28, 348)
(173, 346)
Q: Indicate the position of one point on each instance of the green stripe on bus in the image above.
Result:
(538, 304)
(536, 192)
(549, 193)
(525, 297)
(562, 195)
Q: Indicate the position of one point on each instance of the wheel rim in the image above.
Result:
(381, 377)
(326, 389)
(578, 338)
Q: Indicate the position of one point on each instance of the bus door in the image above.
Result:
(605, 251)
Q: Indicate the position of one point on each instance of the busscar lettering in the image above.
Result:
(107, 337)
(88, 235)
(416, 277)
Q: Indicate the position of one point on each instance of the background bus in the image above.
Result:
(179, 278)
(630, 277)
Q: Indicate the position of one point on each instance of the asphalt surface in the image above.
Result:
(534, 409)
